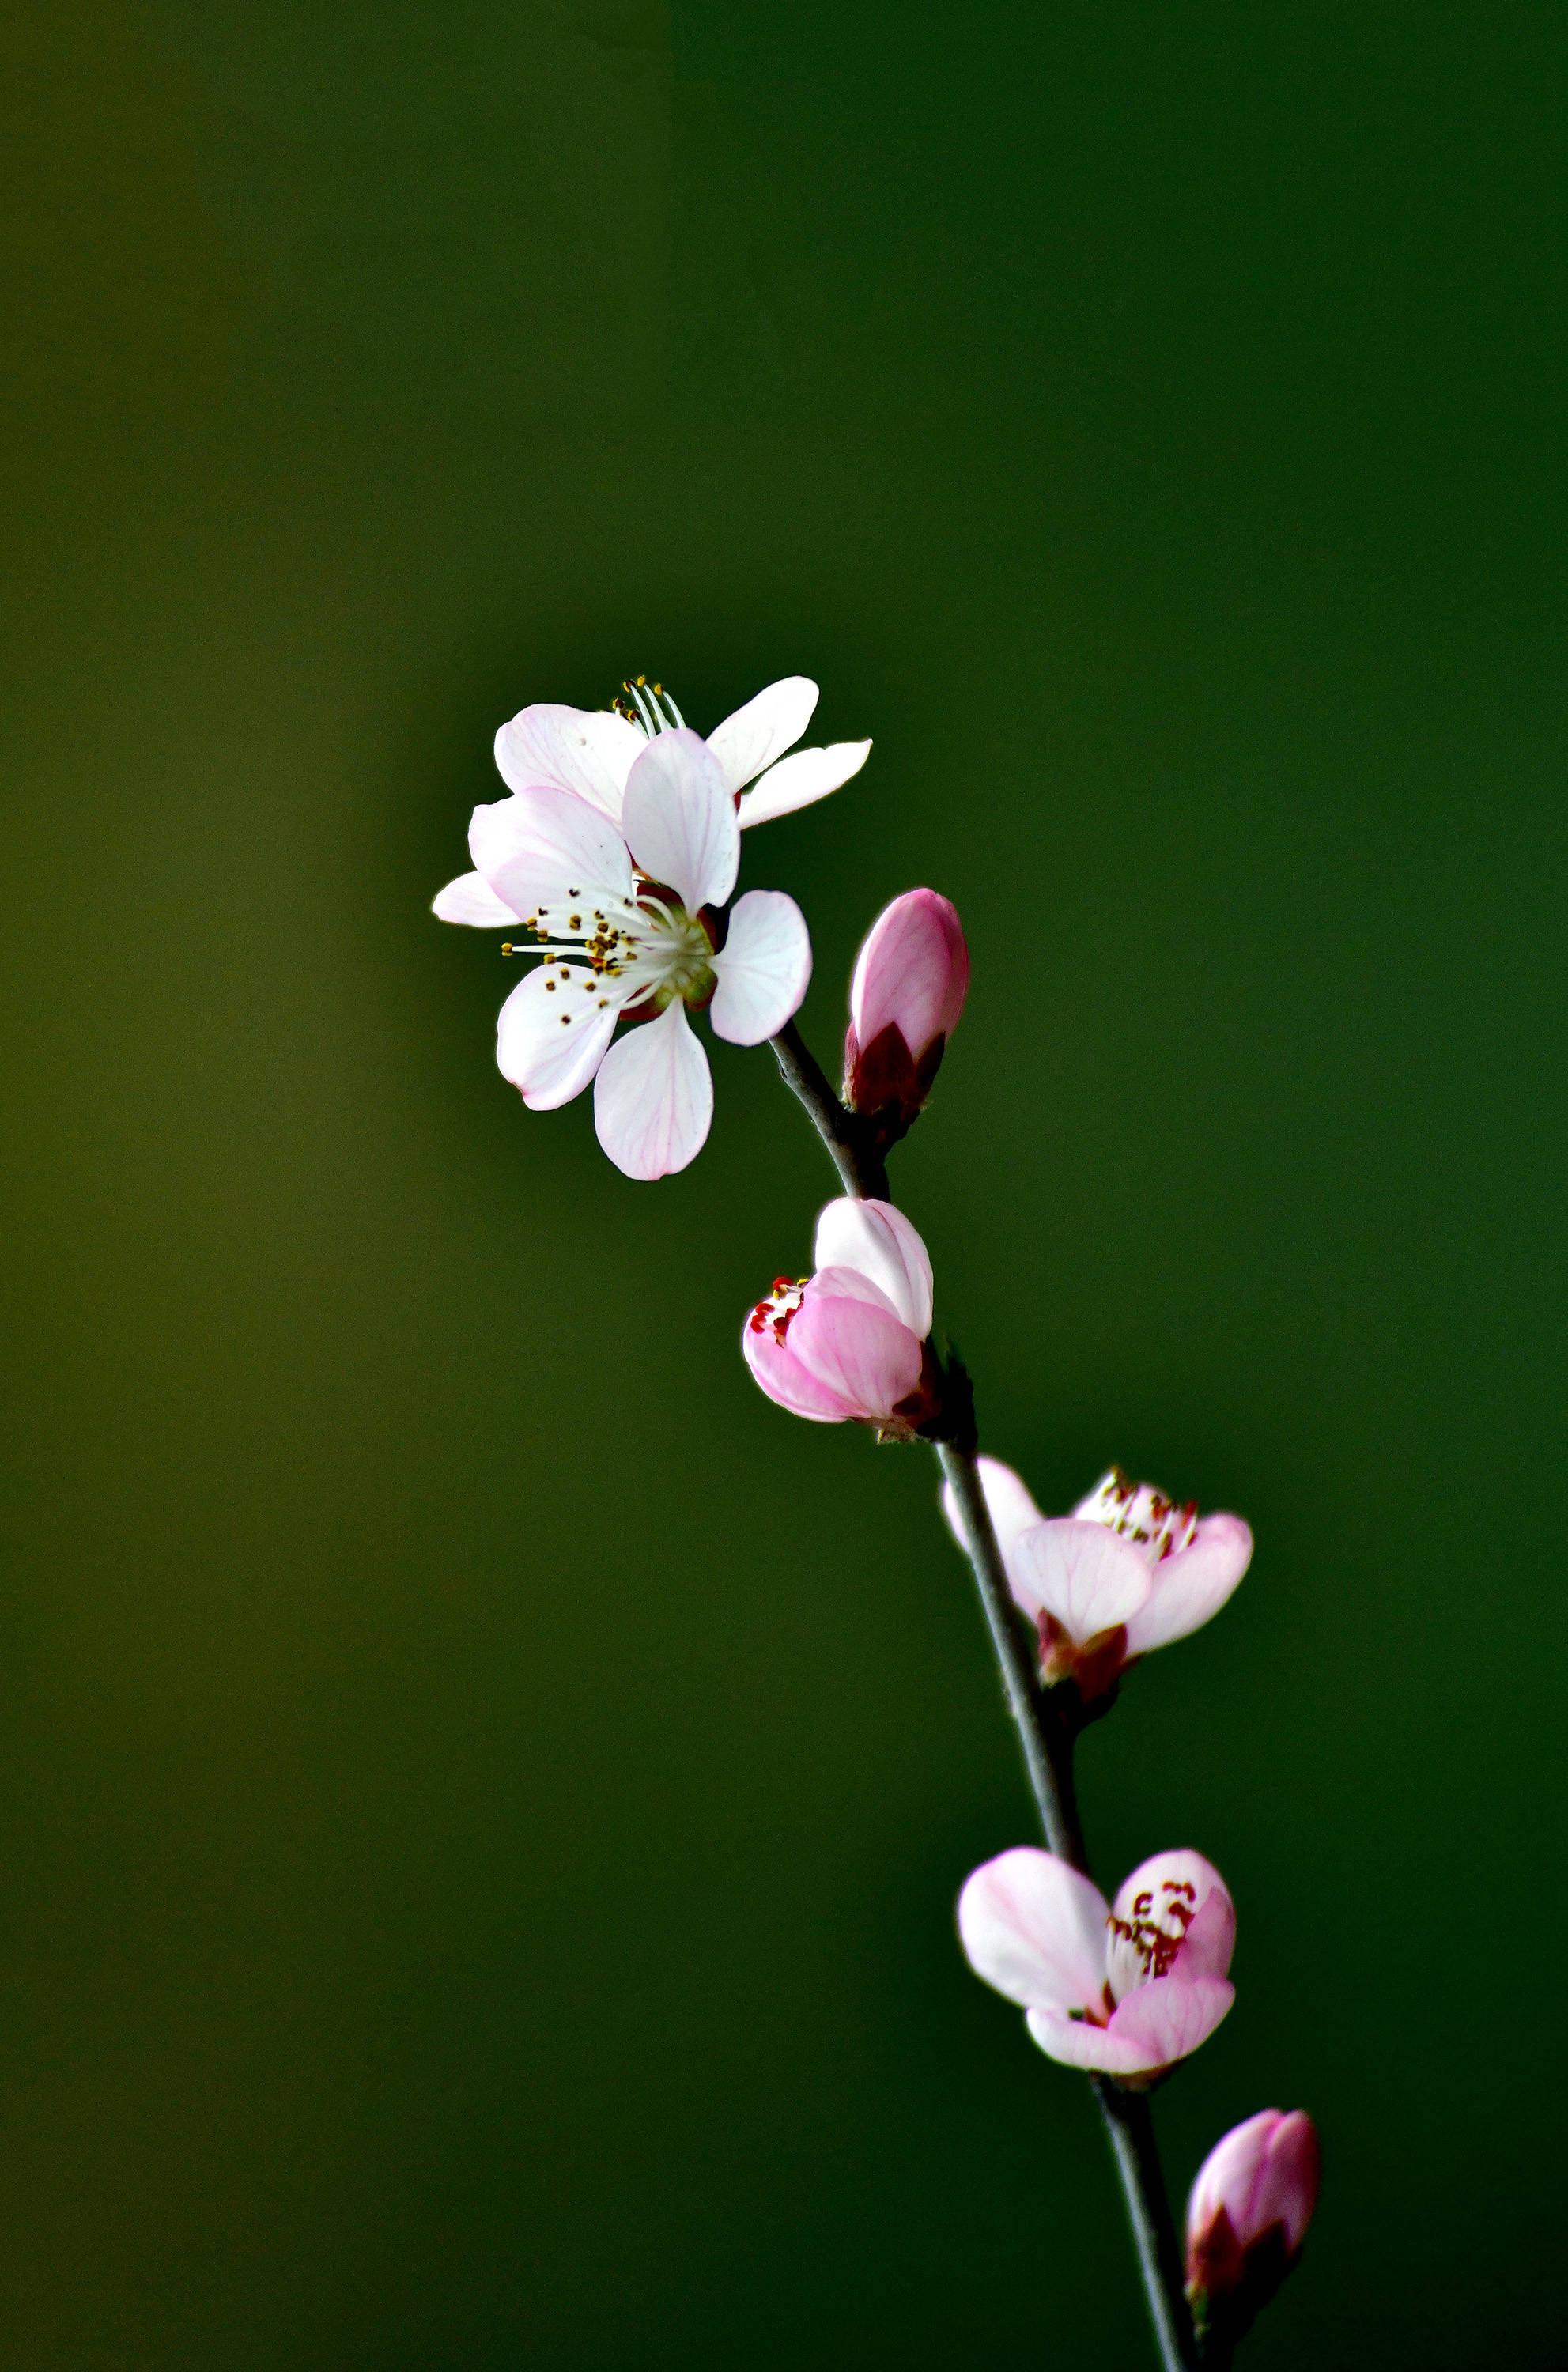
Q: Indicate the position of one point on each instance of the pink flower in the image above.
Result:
(620, 909)
(910, 979)
(1124, 1989)
(849, 1341)
(591, 752)
(1127, 1571)
(1255, 2190)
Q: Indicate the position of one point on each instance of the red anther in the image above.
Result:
(782, 1284)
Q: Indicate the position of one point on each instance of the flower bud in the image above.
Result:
(1250, 2209)
(910, 979)
(850, 1340)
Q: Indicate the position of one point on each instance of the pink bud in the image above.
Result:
(1252, 2205)
(910, 979)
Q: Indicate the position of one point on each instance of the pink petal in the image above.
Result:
(1172, 2016)
(857, 1351)
(796, 781)
(550, 1039)
(913, 971)
(1286, 2189)
(763, 729)
(764, 968)
(547, 852)
(679, 818)
(1080, 1573)
(1192, 1585)
(775, 1367)
(653, 1098)
(1096, 2049)
(1033, 1927)
(589, 751)
(1211, 1939)
(470, 899)
(1012, 1510)
(1226, 2180)
(880, 1243)
(849, 1284)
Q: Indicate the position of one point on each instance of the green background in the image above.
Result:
(482, 1792)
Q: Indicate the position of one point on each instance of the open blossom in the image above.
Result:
(591, 751)
(849, 1341)
(1123, 1989)
(1127, 1571)
(619, 840)
(910, 979)
(1253, 2199)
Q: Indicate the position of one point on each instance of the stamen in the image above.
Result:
(1141, 1515)
(650, 713)
(1152, 1939)
(779, 1307)
(649, 728)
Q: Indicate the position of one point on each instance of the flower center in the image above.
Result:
(1136, 1512)
(649, 949)
(779, 1306)
(1145, 1944)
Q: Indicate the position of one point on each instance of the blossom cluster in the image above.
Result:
(617, 851)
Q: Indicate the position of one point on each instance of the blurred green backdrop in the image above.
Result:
(482, 1792)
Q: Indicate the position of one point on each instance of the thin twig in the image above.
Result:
(1047, 1743)
(1129, 2123)
(1045, 1732)
(861, 1168)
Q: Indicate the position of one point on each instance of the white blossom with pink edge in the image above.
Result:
(1262, 2179)
(1126, 1572)
(1123, 1989)
(848, 1342)
(591, 752)
(618, 908)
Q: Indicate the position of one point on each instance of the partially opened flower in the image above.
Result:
(1126, 1572)
(591, 751)
(910, 979)
(1251, 2203)
(849, 1341)
(1123, 1989)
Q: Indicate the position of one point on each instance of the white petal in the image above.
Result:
(678, 816)
(590, 750)
(795, 782)
(470, 899)
(764, 968)
(654, 1099)
(1033, 1927)
(763, 729)
(549, 853)
(552, 1034)
(879, 1241)
(1080, 1573)
(1192, 1585)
